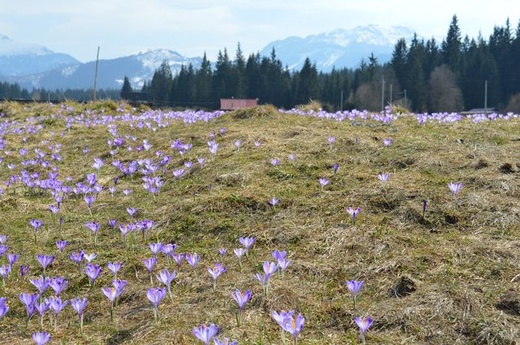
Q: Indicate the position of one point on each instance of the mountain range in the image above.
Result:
(35, 66)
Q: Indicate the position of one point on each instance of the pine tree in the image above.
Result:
(452, 47)
(161, 84)
(126, 90)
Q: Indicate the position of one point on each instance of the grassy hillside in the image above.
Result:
(447, 274)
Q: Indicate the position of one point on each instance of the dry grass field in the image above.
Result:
(449, 274)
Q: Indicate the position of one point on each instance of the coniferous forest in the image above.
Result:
(423, 75)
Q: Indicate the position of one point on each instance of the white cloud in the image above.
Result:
(122, 27)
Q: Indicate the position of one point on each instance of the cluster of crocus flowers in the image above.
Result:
(289, 323)
(269, 269)
(281, 261)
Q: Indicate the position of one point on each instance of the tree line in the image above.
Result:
(423, 75)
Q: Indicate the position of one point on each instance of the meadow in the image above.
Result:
(259, 226)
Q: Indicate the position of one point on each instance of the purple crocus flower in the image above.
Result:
(222, 251)
(239, 252)
(387, 142)
(155, 248)
(275, 162)
(56, 304)
(168, 249)
(273, 201)
(293, 325)
(131, 211)
(114, 267)
(92, 271)
(335, 167)
(77, 257)
(150, 264)
(29, 300)
(36, 224)
(224, 341)
(5, 271)
(323, 182)
(94, 227)
(264, 280)
(193, 259)
(61, 245)
(282, 264)
(12, 258)
(42, 308)
(113, 292)
(155, 296)
(247, 242)
(215, 272)
(41, 338)
(166, 278)
(269, 267)
(178, 258)
(383, 177)
(4, 308)
(363, 324)
(24, 269)
(89, 200)
(241, 298)
(354, 286)
(45, 260)
(178, 173)
(455, 187)
(79, 305)
(353, 213)
(206, 333)
(98, 163)
(54, 209)
(3, 249)
(41, 283)
(58, 284)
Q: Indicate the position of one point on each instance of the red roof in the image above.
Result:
(236, 103)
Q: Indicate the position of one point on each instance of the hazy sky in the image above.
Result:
(192, 27)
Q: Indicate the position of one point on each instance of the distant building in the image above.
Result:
(478, 111)
(236, 103)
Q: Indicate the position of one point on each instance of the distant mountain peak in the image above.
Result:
(20, 59)
(340, 47)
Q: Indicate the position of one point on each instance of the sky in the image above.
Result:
(193, 27)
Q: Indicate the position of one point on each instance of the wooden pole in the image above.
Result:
(95, 77)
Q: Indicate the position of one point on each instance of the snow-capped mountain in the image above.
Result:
(339, 48)
(34, 66)
(20, 59)
(138, 68)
